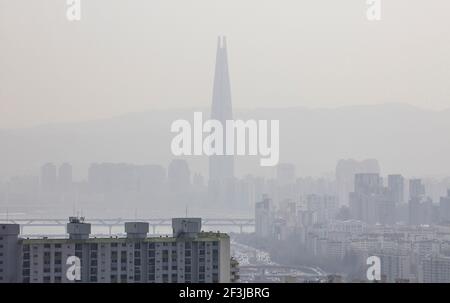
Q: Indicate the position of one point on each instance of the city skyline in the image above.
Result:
(312, 54)
(215, 141)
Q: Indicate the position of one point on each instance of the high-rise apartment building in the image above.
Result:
(190, 255)
(264, 218)
(435, 269)
(396, 188)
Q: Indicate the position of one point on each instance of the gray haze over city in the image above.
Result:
(86, 110)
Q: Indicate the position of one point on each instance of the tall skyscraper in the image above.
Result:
(221, 167)
(416, 188)
(396, 188)
(345, 175)
(364, 201)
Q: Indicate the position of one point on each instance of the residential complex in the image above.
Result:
(188, 256)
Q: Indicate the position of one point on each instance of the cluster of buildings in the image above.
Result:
(188, 256)
(412, 239)
(373, 203)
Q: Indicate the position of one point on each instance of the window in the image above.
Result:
(123, 278)
(174, 278)
(165, 278)
(215, 278)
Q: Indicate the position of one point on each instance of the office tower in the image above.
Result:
(65, 177)
(386, 208)
(345, 175)
(420, 209)
(48, 178)
(188, 256)
(365, 199)
(264, 218)
(9, 249)
(221, 167)
(444, 208)
(396, 188)
(368, 183)
(179, 176)
(416, 188)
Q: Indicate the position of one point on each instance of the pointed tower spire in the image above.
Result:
(221, 167)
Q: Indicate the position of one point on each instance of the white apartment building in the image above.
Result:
(189, 256)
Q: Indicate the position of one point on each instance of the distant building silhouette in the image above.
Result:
(264, 218)
(416, 188)
(396, 188)
(345, 175)
(221, 167)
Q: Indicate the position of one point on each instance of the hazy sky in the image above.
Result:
(134, 55)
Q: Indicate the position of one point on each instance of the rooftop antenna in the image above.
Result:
(186, 210)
